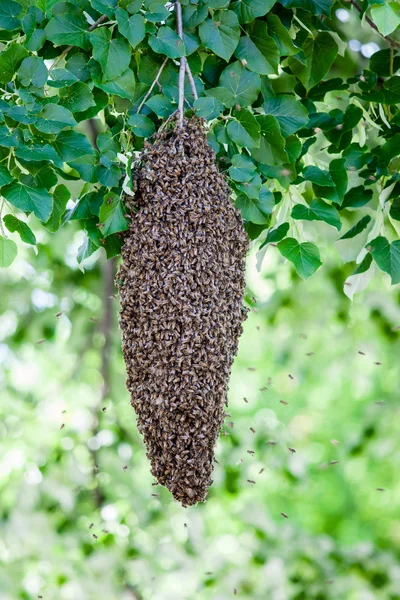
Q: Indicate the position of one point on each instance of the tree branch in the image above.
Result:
(191, 80)
(372, 24)
(152, 85)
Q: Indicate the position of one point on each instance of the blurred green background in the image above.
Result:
(79, 516)
(341, 537)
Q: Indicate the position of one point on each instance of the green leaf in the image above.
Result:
(223, 95)
(60, 78)
(167, 42)
(244, 130)
(54, 118)
(358, 228)
(123, 86)
(317, 7)
(258, 50)
(77, 97)
(87, 206)
(113, 54)
(221, 33)
(386, 17)
(281, 36)
(242, 168)
(193, 15)
(317, 211)
(15, 225)
(86, 249)
(357, 197)
(33, 71)
(86, 166)
(244, 85)
(290, 113)
(247, 10)
(394, 209)
(9, 10)
(338, 175)
(256, 210)
(106, 7)
(36, 41)
(38, 152)
(389, 150)
(109, 175)
(304, 256)
(157, 12)
(132, 28)
(61, 195)
(272, 145)
(68, 30)
(318, 176)
(71, 145)
(10, 60)
(161, 105)
(40, 175)
(8, 138)
(386, 256)
(320, 53)
(276, 235)
(252, 188)
(8, 252)
(36, 200)
(5, 176)
(141, 125)
(208, 108)
(112, 215)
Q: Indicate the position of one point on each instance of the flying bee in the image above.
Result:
(250, 452)
(252, 430)
(95, 536)
(91, 525)
(41, 341)
(284, 402)
(261, 471)
(334, 462)
(380, 489)
(104, 409)
(284, 515)
(292, 450)
(335, 442)
(271, 443)
(361, 352)
(378, 363)
(57, 315)
(251, 481)
(290, 376)
(62, 426)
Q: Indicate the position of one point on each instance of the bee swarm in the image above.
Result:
(181, 284)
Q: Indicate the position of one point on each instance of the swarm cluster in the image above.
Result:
(181, 284)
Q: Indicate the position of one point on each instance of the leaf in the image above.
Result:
(356, 197)
(5, 176)
(386, 17)
(86, 249)
(389, 150)
(319, 52)
(161, 105)
(338, 175)
(41, 175)
(106, 7)
(252, 188)
(167, 42)
(86, 166)
(87, 206)
(272, 144)
(109, 175)
(28, 199)
(290, 113)
(242, 168)
(15, 225)
(223, 95)
(317, 211)
(61, 195)
(8, 252)
(33, 71)
(208, 108)
(123, 86)
(361, 277)
(276, 235)
(244, 130)
(77, 97)
(9, 10)
(304, 256)
(54, 118)
(247, 10)
(71, 145)
(68, 30)
(244, 85)
(193, 15)
(386, 256)
(394, 209)
(112, 215)
(113, 54)
(8, 138)
(60, 78)
(258, 50)
(316, 7)
(281, 36)
(10, 60)
(221, 34)
(256, 210)
(132, 28)
(317, 176)
(141, 125)
(358, 228)
(38, 152)
(36, 41)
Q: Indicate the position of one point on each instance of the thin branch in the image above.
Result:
(152, 85)
(191, 80)
(182, 67)
(372, 24)
(99, 21)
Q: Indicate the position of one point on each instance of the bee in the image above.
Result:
(91, 525)
(57, 315)
(378, 363)
(284, 515)
(292, 450)
(41, 341)
(284, 402)
(303, 336)
(62, 426)
(250, 452)
(291, 376)
(95, 536)
(93, 319)
(335, 442)
(271, 443)
(252, 430)
(380, 489)
(104, 409)
(125, 467)
(261, 471)
(245, 399)
(156, 495)
(309, 353)
(63, 412)
(380, 403)
(361, 352)
(251, 481)
(334, 462)
(234, 589)
(251, 369)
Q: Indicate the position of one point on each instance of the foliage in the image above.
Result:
(301, 144)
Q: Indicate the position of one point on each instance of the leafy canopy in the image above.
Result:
(310, 154)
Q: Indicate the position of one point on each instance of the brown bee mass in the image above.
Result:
(181, 284)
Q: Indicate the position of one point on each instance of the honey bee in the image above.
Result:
(292, 450)
(284, 515)
(251, 481)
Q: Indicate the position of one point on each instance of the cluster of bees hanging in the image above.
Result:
(181, 286)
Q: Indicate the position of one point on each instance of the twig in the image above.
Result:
(99, 21)
(182, 67)
(160, 70)
(372, 24)
(191, 80)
